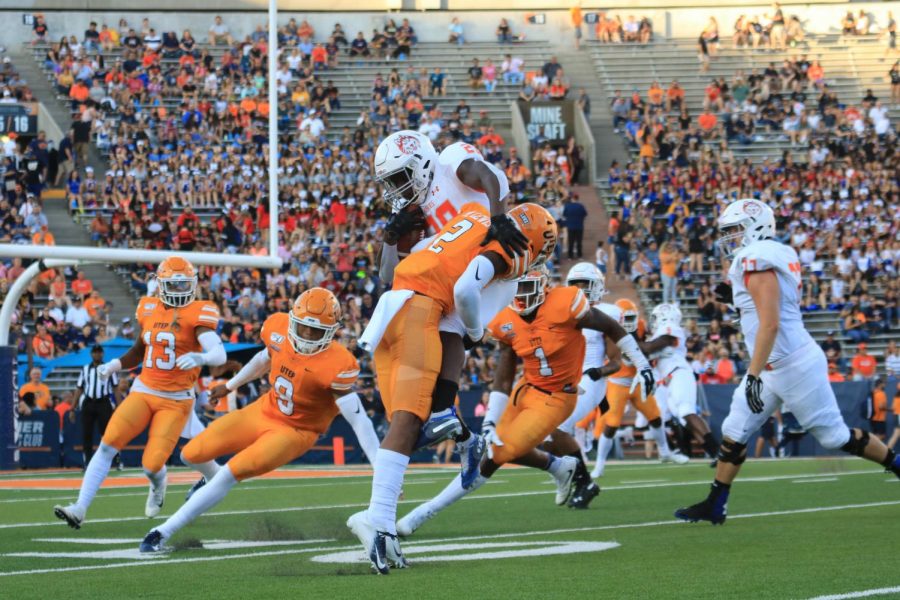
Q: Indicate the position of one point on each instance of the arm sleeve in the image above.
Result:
(389, 261)
(352, 410)
(497, 402)
(256, 368)
(629, 347)
(467, 294)
(213, 349)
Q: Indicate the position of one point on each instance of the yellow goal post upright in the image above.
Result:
(46, 257)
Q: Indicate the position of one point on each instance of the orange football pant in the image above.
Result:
(618, 397)
(408, 359)
(529, 418)
(262, 443)
(165, 417)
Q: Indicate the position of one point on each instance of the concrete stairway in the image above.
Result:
(66, 231)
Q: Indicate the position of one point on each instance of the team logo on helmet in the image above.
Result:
(407, 144)
(752, 209)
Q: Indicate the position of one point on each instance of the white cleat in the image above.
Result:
(363, 529)
(675, 458)
(411, 522)
(598, 470)
(564, 479)
(155, 499)
(71, 514)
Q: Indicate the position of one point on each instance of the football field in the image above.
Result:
(796, 529)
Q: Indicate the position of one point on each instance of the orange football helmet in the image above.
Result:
(630, 314)
(315, 309)
(532, 290)
(539, 227)
(177, 280)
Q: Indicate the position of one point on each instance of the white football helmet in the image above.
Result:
(742, 223)
(532, 291)
(596, 282)
(404, 164)
(665, 315)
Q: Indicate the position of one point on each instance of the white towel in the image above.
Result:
(388, 305)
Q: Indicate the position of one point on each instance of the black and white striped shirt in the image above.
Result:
(94, 388)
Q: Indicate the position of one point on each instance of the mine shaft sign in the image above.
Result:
(552, 121)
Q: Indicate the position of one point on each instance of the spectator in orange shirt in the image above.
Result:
(835, 376)
(674, 97)
(37, 387)
(491, 137)
(81, 285)
(896, 435)
(879, 410)
(79, 93)
(669, 257)
(305, 30)
(94, 303)
(42, 343)
(558, 90)
(816, 74)
(43, 237)
(319, 57)
(655, 96)
(724, 367)
(62, 407)
(708, 122)
(863, 364)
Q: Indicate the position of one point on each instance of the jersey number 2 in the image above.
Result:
(284, 392)
(167, 341)
(447, 237)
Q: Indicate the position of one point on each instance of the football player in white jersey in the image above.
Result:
(787, 367)
(414, 174)
(668, 345)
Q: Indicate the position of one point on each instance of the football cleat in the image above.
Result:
(703, 511)
(676, 458)
(386, 553)
(411, 522)
(584, 495)
(153, 543)
(439, 428)
(155, 499)
(71, 514)
(565, 479)
(200, 483)
(470, 460)
(365, 532)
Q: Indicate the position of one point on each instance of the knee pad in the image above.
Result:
(732, 452)
(856, 445)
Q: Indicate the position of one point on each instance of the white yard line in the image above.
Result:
(860, 594)
(417, 501)
(476, 537)
(820, 480)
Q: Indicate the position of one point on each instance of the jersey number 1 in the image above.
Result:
(545, 370)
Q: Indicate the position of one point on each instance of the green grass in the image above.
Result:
(754, 555)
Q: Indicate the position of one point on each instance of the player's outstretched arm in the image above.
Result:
(132, 358)
(599, 321)
(258, 366)
(467, 291)
(655, 345)
(763, 289)
(480, 177)
(213, 353)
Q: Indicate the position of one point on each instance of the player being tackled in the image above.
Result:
(787, 367)
(177, 337)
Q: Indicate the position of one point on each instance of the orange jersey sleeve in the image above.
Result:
(551, 346)
(434, 270)
(168, 333)
(303, 387)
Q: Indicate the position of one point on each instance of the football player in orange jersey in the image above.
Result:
(178, 337)
(309, 375)
(543, 328)
(438, 186)
(620, 392)
(404, 334)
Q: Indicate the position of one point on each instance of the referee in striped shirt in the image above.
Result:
(95, 400)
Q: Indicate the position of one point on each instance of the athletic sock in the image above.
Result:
(662, 442)
(718, 488)
(553, 464)
(581, 472)
(203, 499)
(710, 445)
(892, 462)
(453, 492)
(603, 447)
(156, 479)
(387, 482)
(96, 472)
(208, 469)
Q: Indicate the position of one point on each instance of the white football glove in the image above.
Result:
(106, 370)
(645, 379)
(491, 439)
(188, 361)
